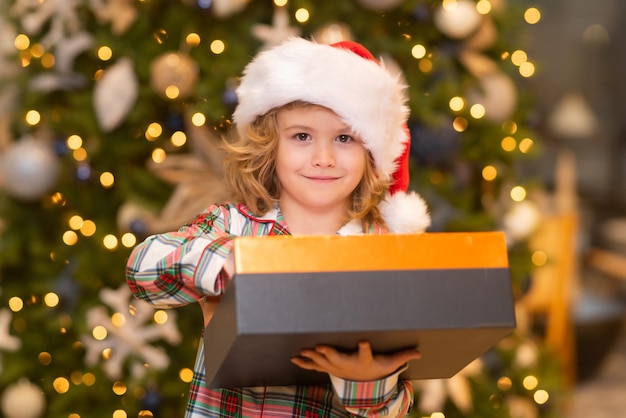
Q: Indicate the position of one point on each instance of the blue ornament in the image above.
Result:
(434, 146)
(83, 172)
(138, 227)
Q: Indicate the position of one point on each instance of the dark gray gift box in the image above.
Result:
(448, 293)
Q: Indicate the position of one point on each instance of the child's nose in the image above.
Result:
(324, 155)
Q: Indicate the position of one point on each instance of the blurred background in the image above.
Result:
(111, 112)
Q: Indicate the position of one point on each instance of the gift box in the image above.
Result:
(447, 293)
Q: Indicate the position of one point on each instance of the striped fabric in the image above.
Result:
(177, 268)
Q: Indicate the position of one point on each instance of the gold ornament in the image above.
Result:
(174, 75)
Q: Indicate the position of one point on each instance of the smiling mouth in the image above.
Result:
(321, 178)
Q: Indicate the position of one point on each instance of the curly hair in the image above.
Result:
(250, 171)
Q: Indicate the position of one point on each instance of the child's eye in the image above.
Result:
(302, 136)
(345, 139)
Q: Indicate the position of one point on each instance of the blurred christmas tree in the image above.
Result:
(110, 111)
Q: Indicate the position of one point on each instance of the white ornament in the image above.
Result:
(22, 400)
(60, 17)
(121, 13)
(457, 19)
(130, 335)
(8, 342)
(226, 8)
(278, 32)
(332, 33)
(115, 94)
(573, 118)
(174, 69)
(521, 220)
(28, 169)
(380, 5)
(497, 93)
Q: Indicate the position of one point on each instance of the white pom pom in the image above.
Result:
(405, 213)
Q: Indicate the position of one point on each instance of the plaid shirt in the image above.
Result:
(178, 268)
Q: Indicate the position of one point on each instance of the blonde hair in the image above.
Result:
(250, 171)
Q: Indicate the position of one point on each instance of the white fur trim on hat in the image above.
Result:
(360, 91)
(405, 213)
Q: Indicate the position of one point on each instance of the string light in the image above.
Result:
(158, 155)
(217, 46)
(32, 117)
(539, 258)
(105, 53)
(418, 51)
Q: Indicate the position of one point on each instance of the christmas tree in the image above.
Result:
(110, 115)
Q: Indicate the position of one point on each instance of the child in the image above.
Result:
(322, 149)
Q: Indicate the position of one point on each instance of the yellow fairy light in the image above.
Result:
(418, 51)
(107, 353)
(160, 36)
(44, 358)
(80, 154)
(129, 240)
(519, 57)
(425, 65)
(172, 92)
(509, 127)
(75, 222)
(89, 379)
(99, 332)
(541, 397)
(525, 145)
(483, 7)
(144, 413)
(51, 299)
(186, 375)
(48, 61)
(532, 15)
(120, 413)
(74, 142)
(76, 377)
(504, 383)
(489, 173)
(539, 258)
(518, 193)
(460, 124)
(192, 39)
(61, 385)
(105, 53)
(37, 50)
(456, 104)
(119, 388)
(107, 180)
(16, 304)
(477, 111)
(160, 317)
(198, 119)
(302, 15)
(178, 139)
(118, 319)
(508, 143)
(32, 117)
(88, 228)
(110, 242)
(70, 238)
(154, 131)
(527, 69)
(530, 382)
(217, 46)
(437, 415)
(58, 199)
(280, 3)
(22, 42)
(158, 155)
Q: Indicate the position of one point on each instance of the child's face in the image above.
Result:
(319, 161)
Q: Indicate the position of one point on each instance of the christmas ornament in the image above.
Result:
(278, 32)
(573, 118)
(484, 37)
(226, 8)
(333, 33)
(130, 335)
(521, 220)
(521, 407)
(22, 400)
(380, 5)
(198, 177)
(121, 13)
(56, 16)
(28, 169)
(457, 19)
(115, 94)
(173, 69)
(8, 342)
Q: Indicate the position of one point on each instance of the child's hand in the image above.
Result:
(361, 366)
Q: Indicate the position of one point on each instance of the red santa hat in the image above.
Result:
(346, 78)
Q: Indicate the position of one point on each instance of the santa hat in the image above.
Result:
(346, 78)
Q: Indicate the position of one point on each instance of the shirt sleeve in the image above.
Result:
(177, 268)
(387, 397)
